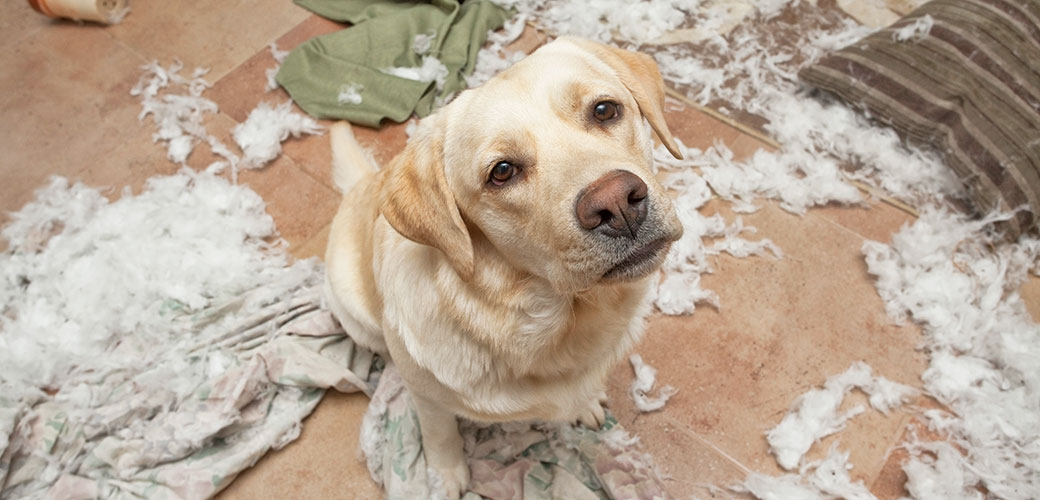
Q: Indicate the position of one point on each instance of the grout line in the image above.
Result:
(687, 430)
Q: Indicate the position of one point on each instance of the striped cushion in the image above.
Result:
(969, 86)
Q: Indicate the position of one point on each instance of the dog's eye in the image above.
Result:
(502, 172)
(605, 110)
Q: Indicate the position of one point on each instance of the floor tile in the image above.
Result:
(698, 130)
(1031, 296)
(875, 220)
(314, 246)
(689, 465)
(324, 462)
(300, 205)
(238, 92)
(890, 483)
(783, 327)
(139, 160)
(18, 20)
(201, 33)
(66, 100)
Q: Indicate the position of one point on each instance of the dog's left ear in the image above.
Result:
(639, 74)
(416, 201)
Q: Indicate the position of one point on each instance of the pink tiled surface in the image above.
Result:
(784, 325)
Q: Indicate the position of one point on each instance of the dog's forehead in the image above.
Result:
(558, 75)
(561, 60)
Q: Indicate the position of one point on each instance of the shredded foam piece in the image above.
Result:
(178, 117)
(680, 291)
(350, 93)
(72, 288)
(825, 479)
(916, 31)
(815, 413)
(261, 135)
(422, 42)
(431, 70)
(492, 59)
(279, 57)
(644, 383)
(948, 275)
(639, 22)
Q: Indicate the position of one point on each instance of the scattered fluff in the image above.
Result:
(915, 31)
(644, 383)
(822, 480)
(679, 291)
(261, 135)
(638, 22)
(493, 58)
(350, 93)
(947, 275)
(431, 70)
(815, 413)
(279, 57)
(177, 117)
(422, 42)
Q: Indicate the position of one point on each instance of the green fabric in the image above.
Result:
(382, 36)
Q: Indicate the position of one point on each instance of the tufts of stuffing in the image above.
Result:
(76, 299)
(815, 414)
(431, 70)
(679, 291)
(350, 93)
(279, 57)
(915, 31)
(177, 117)
(644, 383)
(948, 275)
(422, 42)
(261, 135)
(827, 479)
(493, 58)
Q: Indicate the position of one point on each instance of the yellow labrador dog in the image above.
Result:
(503, 259)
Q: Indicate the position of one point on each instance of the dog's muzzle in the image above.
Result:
(616, 211)
(614, 205)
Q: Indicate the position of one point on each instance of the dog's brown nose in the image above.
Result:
(613, 205)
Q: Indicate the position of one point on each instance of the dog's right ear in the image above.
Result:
(416, 201)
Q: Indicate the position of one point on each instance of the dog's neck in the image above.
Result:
(553, 331)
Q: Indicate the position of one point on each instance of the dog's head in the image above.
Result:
(550, 161)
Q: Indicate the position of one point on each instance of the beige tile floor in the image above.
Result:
(784, 325)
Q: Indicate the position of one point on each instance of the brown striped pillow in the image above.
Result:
(969, 86)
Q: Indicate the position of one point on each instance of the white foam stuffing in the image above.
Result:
(89, 284)
(643, 384)
(949, 276)
(177, 117)
(279, 57)
(815, 414)
(350, 93)
(492, 57)
(261, 135)
(825, 479)
(431, 70)
(915, 31)
(679, 291)
(422, 42)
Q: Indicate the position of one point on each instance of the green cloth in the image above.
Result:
(382, 36)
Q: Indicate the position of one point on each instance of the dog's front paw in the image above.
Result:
(593, 415)
(451, 481)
